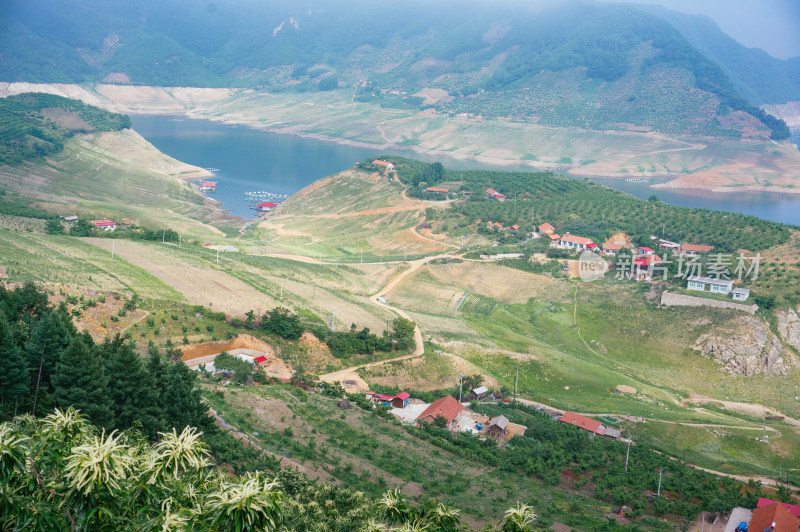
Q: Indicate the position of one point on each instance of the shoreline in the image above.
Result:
(672, 180)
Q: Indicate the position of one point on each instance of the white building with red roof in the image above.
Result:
(104, 224)
(577, 243)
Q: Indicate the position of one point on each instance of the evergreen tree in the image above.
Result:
(13, 369)
(49, 338)
(181, 402)
(80, 381)
(133, 396)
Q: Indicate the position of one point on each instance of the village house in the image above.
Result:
(104, 224)
(493, 194)
(446, 407)
(690, 250)
(261, 361)
(497, 427)
(546, 229)
(555, 239)
(70, 219)
(666, 244)
(577, 243)
(386, 164)
(496, 225)
(438, 192)
(793, 508)
(709, 284)
(646, 251)
(773, 517)
(585, 423)
(611, 250)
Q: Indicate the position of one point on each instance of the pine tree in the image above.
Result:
(133, 394)
(49, 338)
(181, 401)
(80, 381)
(13, 369)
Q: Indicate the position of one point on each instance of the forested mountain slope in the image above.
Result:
(759, 77)
(568, 64)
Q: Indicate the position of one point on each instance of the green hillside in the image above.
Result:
(34, 125)
(756, 75)
(575, 65)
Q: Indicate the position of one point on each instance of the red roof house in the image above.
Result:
(583, 422)
(793, 508)
(446, 407)
(774, 517)
(546, 228)
(576, 242)
(106, 225)
(438, 190)
(694, 249)
(493, 194)
(261, 360)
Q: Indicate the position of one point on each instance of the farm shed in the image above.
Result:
(741, 294)
(400, 400)
(446, 407)
(478, 393)
(497, 427)
(261, 361)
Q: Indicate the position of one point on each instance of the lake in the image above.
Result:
(247, 160)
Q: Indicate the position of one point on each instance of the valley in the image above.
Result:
(708, 163)
(350, 266)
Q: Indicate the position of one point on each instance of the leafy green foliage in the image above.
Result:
(282, 322)
(596, 211)
(25, 131)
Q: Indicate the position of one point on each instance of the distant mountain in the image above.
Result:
(571, 64)
(759, 77)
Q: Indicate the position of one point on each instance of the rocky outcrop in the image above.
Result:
(789, 327)
(749, 348)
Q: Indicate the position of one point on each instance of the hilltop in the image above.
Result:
(585, 65)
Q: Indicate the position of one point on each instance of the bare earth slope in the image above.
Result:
(709, 163)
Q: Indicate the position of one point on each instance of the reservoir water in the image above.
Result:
(246, 160)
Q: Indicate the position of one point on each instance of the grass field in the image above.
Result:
(117, 175)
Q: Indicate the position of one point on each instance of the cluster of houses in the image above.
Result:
(455, 416)
(458, 418)
(104, 224)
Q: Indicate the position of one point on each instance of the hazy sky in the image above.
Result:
(772, 25)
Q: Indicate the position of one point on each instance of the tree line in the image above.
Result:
(45, 362)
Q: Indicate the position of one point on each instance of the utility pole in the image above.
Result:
(516, 381)
(113, 246)
(281, 290)
(405, 254)
(659, 481)
(333, 319)
(180, 239)
(460, 385)
(628, 453)
(362, 255)
(163, 235)
(217, 256)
